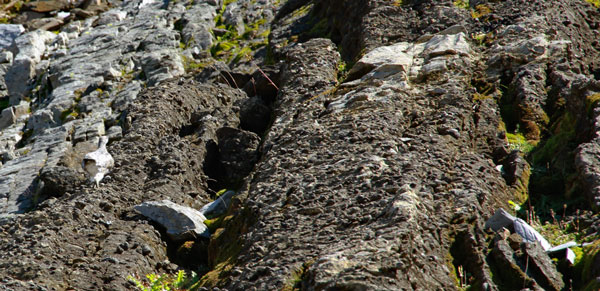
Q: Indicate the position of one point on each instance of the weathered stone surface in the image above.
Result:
(238, 152)
(47, 6)
(542, 268)
(6, 57)
(197, 23)
(511, 276)
(48, 24)
(529, 234)
(400, 63)
(500, 219)
(7, 117)
(9, 138)
(312, 173)
(59, 180)
(233, 17)
(380, 181)
(115, 132)
(587, 165)
(11, 114)
(28, 49)
(399, 56)
(8, 33)
(170, 167)
(255, 115)
(110, 17)
(159, 66)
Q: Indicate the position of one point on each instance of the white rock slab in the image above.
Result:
(181, 222)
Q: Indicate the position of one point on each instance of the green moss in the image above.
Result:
(18, 6)
(217, 222)
(73, 111)
(565, 133)
(480, 97)
(302, 11)
(152, 282)
(251, 30)
(342, 69)
(225, 246)
(578, 251)
(596, 3)
(589, 255)
(517, 141)
(320, 29)
(296, 277)
(464, 4)
(224, 262)
(480, 11)
(220, 192)
(555, 234)
(219, 17)
(521, 188)
(452, 268)
(591, 101)
(265, 34)
(222, 46)
(270, 58)
(191, 65)
(231, 47)
(241, 53)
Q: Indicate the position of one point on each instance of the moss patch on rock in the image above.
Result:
(225, 246)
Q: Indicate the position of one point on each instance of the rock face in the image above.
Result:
(376, 176)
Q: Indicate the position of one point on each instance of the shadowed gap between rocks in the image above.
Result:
(231, 154)
(231, 157)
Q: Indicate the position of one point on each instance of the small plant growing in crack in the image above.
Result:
(155, 282)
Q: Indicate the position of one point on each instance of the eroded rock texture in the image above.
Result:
(366, 142)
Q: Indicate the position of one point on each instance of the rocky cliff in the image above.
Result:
(367, 142)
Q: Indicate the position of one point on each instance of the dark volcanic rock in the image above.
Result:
(354, 178)
(60, 180)
(510, 273)
(238, 152)
(379, 181)
(152, 163)
(541, 267)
